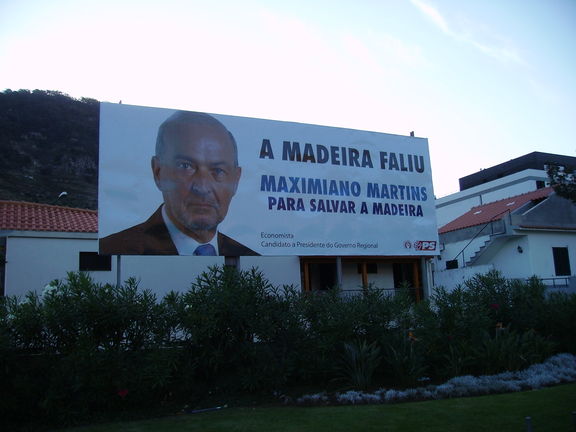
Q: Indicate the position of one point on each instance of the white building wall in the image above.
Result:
(33, 262)
(279, 271)
(541, 244)
(536, 259)
(162, 274)
(513, 264)
(351, 279)
(450, 279)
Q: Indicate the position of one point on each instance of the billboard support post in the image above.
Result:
(232, 261)
(118, 271)
(339, 271)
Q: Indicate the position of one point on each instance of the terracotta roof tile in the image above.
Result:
(493, 211)
(25, 216)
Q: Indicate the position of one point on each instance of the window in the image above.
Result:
(561, 261)
(451, 264)
(91, 261)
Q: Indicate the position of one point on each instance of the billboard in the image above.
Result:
(182, 183)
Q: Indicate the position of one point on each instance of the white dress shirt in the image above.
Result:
(185, 244)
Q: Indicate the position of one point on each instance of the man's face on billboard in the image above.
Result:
(198, 176)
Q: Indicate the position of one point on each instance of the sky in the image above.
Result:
(485, 81)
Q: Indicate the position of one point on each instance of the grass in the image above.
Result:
(550, 410)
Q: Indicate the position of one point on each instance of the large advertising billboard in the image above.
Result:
(186, 183)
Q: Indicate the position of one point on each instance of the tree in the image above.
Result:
(563, 180)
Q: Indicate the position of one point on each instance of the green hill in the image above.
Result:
(49, 145)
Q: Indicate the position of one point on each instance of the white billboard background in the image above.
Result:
(128, 194)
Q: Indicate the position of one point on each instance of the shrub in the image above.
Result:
(508, 350)
(358, 363)
(557, 320)
(528, 302)
(491, 323)
(404, 359)
(82, 349)
(76, 346)
(460, 314)
(230, 321)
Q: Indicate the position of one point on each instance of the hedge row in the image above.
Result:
(81, 349)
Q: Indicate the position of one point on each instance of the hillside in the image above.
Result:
(49, 145)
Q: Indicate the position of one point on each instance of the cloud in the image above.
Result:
(496, 49)
(499, 53)
(435, 16)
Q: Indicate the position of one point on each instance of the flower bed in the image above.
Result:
(558, 369)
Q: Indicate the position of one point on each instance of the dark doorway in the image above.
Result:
(322, 275)
(407, 276)
(403, 275)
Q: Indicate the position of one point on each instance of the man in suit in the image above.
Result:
(196, 169)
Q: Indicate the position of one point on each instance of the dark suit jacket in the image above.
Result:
(152, 238)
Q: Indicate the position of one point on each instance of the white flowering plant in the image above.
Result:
(558, 369)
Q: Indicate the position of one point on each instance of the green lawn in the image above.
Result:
(549, 408)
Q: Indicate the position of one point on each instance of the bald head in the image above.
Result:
(179, 123)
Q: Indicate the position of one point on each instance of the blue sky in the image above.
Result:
(484, 81)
